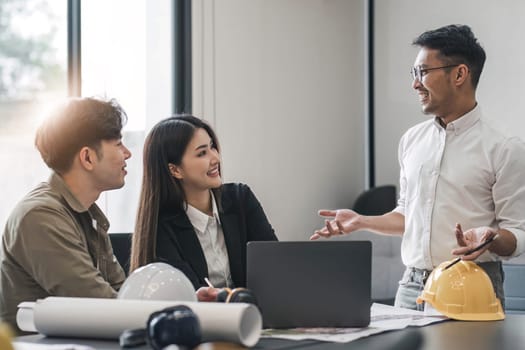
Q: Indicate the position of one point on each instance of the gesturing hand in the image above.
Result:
(472, 238)
(342, 221)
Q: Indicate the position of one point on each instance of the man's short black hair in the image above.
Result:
(80, 122)
(456, 44)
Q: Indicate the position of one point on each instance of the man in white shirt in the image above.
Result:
(456, 172)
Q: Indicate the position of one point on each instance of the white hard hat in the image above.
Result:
(157, 281)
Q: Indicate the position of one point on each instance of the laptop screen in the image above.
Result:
(312, 283)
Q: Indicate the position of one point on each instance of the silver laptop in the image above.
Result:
(311, 284)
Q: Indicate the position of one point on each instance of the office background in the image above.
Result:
(285, 83)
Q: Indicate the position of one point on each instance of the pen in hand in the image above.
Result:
(208, 282)
(481, 246)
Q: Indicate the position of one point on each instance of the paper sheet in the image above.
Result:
(383, 318)
(107, 318)
(31, 346)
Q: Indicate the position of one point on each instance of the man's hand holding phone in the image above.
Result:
(473, 242)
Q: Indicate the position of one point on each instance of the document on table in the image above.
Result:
(32, 346)
(382, 318)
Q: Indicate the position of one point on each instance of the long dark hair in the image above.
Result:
(166, 143)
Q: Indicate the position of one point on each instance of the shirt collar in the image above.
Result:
(198, 219)
(463, 123)
(58, 184)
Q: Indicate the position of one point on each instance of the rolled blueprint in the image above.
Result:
(107, 318)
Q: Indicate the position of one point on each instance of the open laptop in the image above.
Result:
(311, 284)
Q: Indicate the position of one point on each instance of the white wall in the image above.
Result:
(282, 82)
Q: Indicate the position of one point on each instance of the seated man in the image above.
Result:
(55, 241)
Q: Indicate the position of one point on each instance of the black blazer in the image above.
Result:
(242, 219)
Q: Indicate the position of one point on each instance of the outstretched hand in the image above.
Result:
(472, 238)
(342, 221)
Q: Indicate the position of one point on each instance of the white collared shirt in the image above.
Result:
(468, 173)
(211, 237)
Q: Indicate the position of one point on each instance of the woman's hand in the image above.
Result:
(207, 293)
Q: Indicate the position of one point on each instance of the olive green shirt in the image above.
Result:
(52, 246)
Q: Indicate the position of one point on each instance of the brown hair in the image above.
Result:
(80, 122)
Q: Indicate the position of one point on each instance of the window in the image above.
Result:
(126, 55)
(33, 78)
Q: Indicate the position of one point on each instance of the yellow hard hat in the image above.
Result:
(462, 292)
(5, 337)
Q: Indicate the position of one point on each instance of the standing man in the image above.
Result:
(456, 172)
(55, 241)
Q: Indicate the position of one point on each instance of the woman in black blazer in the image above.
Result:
(187, 217)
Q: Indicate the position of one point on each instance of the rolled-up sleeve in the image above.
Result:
(509, 190)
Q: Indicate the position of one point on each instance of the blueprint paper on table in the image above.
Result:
(31, 346)
(382, 318)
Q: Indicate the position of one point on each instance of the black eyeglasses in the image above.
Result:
(418, 72)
